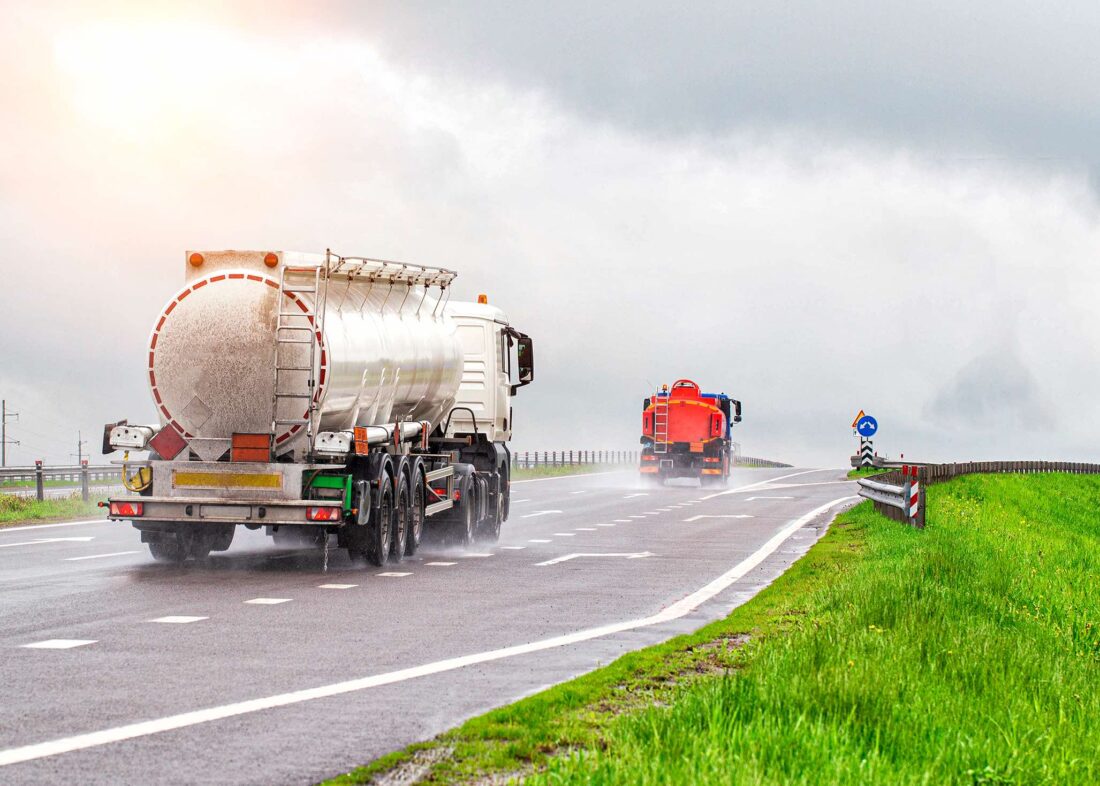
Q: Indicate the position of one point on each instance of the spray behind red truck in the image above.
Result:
(686, 434)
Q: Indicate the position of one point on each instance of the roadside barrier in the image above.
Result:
(900, 495)
(531, 459)
(80, 476)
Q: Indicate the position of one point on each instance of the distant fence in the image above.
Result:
(895, 497)
(81, 476)
(531, 459)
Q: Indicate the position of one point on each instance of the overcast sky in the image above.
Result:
(815, 207)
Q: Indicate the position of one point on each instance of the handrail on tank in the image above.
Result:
(391, 271)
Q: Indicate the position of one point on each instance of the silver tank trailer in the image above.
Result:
(385, 349)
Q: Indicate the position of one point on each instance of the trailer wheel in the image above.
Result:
(489, 531)
(401, 515)
(506, 491)
(380, 528)
(416, 513)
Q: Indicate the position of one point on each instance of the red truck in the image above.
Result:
(686, 434)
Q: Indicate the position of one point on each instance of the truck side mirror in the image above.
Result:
(525, 359)
(736, 411)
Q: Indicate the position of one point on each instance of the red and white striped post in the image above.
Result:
(914, 498)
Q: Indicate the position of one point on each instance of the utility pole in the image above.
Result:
(4, 441)
(80, 443)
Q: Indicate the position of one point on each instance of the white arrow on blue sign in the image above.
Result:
(867, 426)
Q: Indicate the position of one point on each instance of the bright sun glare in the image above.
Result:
(137, 78)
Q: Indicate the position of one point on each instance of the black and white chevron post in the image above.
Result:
(866, 452)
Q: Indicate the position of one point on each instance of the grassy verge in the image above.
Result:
(576, 469)
(966, 653)
(30, 484)
(867, 472)
(20, 510)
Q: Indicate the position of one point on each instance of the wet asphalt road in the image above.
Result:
(258, 668)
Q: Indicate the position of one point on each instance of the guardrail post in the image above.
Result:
(84, 480)
(39, 480)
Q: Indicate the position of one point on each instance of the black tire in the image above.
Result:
(402, 501)
(466, 521)
(417, 502)
(489, 531)
(169, 549)
(380, 527)
(200, 547)
(506, 486)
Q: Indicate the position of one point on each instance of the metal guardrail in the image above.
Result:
(530, 459)
(890, 489)
(81, 476)
(903, 502)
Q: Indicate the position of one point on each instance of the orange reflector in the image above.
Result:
(195, 259)
(712, 472)
(324, 514)
(127, 509)
(270, 259)
(250, 447)
(483, 299)
(649, 469)
(649, 458)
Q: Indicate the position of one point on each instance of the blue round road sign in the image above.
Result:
(867, 426)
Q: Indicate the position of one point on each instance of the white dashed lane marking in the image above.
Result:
(513, 548)
(750, 499)
(538, 540)
(586, 529)
(538, 513)
(268, 601)
(101, 556)
(578, 492)
(609, 524)
(622, 521)
(439, 564)
(632, 496)
(473, 555)
(564, 534)
(393, 574)
(730, 516)
(178, 620)
(336, 586)
(59, 644)
(41, 541)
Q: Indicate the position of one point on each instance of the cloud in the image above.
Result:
(807, 273)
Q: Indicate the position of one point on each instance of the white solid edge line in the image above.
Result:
(145, 728)
(51, 526)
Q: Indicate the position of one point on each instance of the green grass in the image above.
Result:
(867, 472)
(21, 510)
(576, 469)
(29, 484)
(967, 653)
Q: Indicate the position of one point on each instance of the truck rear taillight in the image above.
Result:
(324, 514)
(649, 458)
(127, 509)
(713, 459)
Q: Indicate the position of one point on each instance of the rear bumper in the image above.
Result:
(212, 510)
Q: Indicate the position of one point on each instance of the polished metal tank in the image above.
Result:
(384, 349)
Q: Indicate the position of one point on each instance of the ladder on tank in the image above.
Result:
(295, 329)
(660, 422)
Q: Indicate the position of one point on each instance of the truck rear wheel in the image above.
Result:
(416, 513)
(380, 527)
(167, 550)
(465, 523)
(401, 515)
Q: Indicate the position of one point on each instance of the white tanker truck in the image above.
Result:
(313, 395)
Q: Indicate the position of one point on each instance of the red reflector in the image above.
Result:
(458, 495)
(649, 458)
(127, 509)
(324, 514)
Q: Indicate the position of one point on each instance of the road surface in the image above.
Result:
(257, 667)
